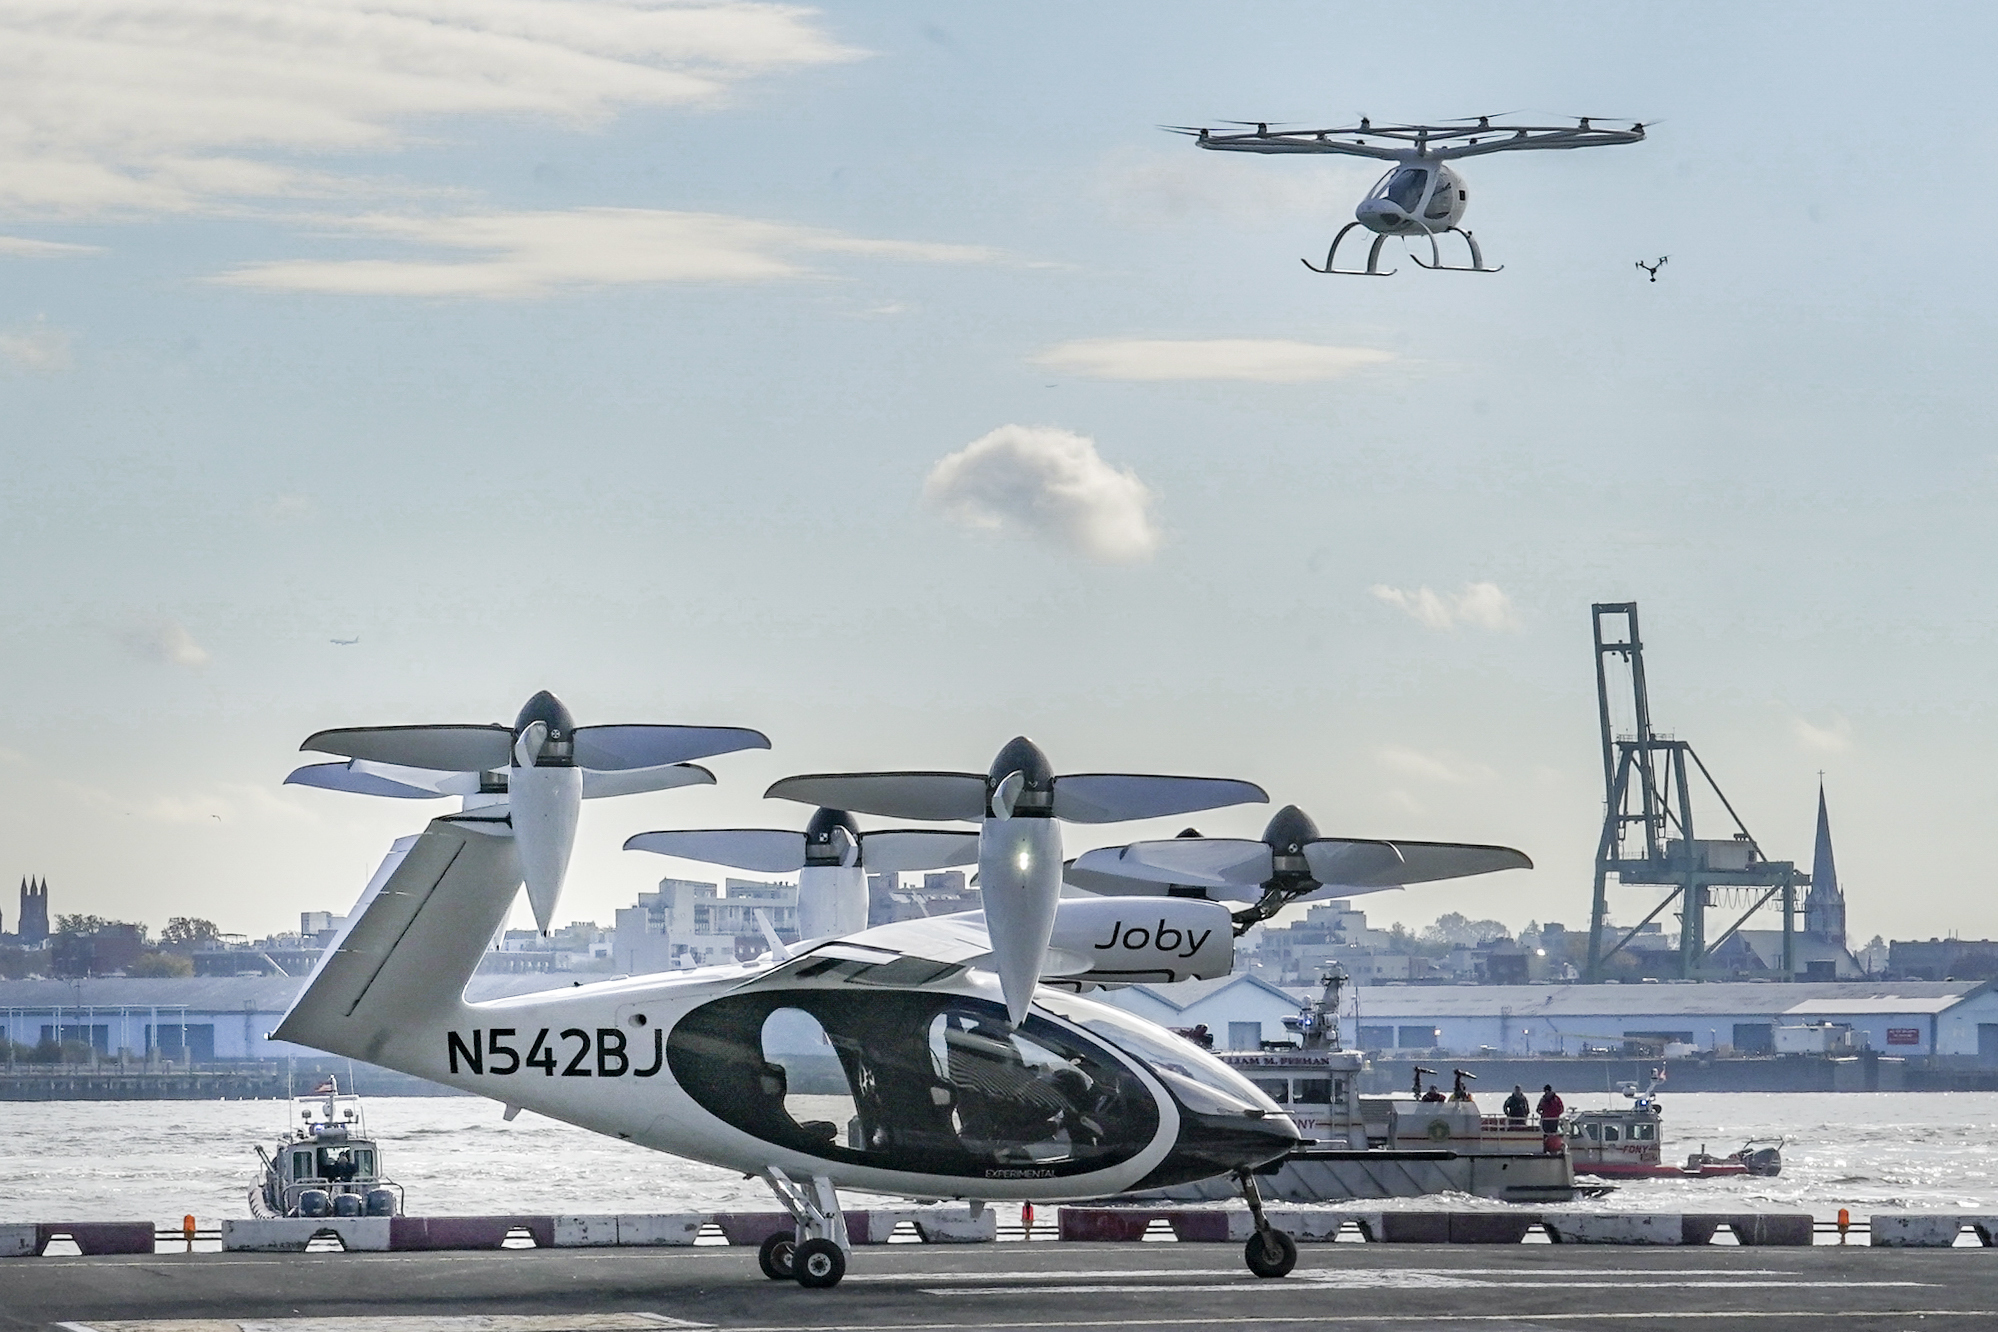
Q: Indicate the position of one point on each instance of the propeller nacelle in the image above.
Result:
(534, 774)
(1019, 803)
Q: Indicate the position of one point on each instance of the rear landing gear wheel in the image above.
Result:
(775, 1257)
(1271, 1253)
(820, 1263)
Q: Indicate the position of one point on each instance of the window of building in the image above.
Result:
(1415, 1038)
(1245, 1035)
(1376, 1038)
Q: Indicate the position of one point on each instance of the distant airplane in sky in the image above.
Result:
(345, 642)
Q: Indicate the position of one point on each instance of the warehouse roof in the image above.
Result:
(1663, 999)
(226, 994)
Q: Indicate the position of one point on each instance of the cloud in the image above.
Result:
(1050, 484)
(525, 254)
(1480, 604)
(126, 106)
(23, 248)
(1835, 738)
(36, 347)
(1268, 360)
(1448, 769)
(166, 642)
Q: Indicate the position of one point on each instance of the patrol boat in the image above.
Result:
(1385, 1146)
(325, 1164)
(1628, 1143)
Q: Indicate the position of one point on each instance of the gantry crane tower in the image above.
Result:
(1648, 837)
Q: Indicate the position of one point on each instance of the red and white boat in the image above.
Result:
(1628, 1143)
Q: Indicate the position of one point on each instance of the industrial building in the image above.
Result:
(1915, 1019)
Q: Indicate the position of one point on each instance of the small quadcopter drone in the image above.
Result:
(1420, 196)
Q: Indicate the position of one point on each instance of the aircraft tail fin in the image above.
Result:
(400, 966)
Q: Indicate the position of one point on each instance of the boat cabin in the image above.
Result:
(325, 1164)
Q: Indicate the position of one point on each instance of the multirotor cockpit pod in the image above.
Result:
(1414, 200)
(1292, 862)
(534, 774)
(1019, 802)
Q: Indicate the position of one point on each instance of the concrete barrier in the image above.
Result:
(1128, 1224)
(98, 1237)
(637, 1232)
(420, 1233)
(19, 1241)
(1615, 1227)
(1306, 1225)
(936, 1225)
(1915, 1230)
(290, 1234)
(1750, 1228)
(1931, 1230)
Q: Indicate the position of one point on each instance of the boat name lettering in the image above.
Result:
(486, 1048)
(1156, 938)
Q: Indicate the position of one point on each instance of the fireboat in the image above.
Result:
(1385, 1146)
(1628, 1143)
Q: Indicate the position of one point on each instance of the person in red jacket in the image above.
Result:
(1550, 1110)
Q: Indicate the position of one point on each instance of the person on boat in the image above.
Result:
(1458, 1091)
(1517, 1107)
(1550, 1109)
(1434, 1094)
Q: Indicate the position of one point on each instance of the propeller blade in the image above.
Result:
(930, 796)
(897, 850)
(1416, 862)
(442, 748)
(765, 850)
(631, 781)
(1196, 862)
(1354, 862)
(528, 744)
(1112, 797)
(615, 748)
(344, 777)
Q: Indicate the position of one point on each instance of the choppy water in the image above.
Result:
(88, 1161)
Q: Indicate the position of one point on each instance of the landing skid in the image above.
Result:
(1331, 258)
(1436, 263)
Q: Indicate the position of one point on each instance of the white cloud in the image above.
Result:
(1444, 768)
(525, 254)
(134, 106)
(36, 347)
(166, 642)
(23, 248)
(1834, 738)
(1269, 360)
(1051, 484)
(1483, 605)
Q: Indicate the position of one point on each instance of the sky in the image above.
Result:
(882, 377)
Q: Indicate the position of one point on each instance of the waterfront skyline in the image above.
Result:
(886, 381)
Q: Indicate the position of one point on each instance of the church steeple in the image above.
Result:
(1824, 905)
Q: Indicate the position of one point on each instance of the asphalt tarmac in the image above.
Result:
(1346, 1287)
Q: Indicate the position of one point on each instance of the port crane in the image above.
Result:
(1648, 837)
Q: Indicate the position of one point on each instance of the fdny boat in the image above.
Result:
(1628, 1143)
(1385, 1146)
(325, 1164)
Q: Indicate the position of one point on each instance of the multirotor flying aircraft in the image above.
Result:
(536, 773)
(954, 1077)
(1420, 195)
(1292, 863)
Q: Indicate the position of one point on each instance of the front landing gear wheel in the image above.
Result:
(775, 1257)
(820, 1263)
(1271, 1253)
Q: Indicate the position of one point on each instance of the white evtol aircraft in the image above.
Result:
(540, 770)
(1421, 195)
(952, 1076)
(1292, 863)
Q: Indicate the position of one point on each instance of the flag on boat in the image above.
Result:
(330, 1087)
